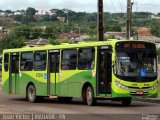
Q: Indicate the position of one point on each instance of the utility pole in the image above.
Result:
(100, 21)
(129, 12)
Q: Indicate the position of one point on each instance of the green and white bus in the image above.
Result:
(114, 70)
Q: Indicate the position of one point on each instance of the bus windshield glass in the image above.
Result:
(136, 64)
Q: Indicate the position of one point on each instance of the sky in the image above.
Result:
(81, 5)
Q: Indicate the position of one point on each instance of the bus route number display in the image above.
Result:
(134, 45)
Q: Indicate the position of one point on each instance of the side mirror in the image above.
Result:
(113, 63)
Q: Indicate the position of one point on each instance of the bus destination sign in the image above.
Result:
(134, 45)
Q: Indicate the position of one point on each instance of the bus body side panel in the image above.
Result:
(5, 81)
(41, 82)
(25, 78)
(53, 82)
(15, 84)
(5, 77)
(37, 78)
(72, 82)
(69, 83)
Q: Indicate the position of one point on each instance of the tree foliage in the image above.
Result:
(29, 15)
(155, 28)
(11, 41)
(29, 26)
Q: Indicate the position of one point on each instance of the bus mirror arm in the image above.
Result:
(113, 63)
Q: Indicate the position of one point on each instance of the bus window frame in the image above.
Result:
(6, 70)
(35, 60)
(32, 60)
(93, 61)
(55, 53)
(69, 59)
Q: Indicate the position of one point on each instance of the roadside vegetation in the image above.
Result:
(18, 29)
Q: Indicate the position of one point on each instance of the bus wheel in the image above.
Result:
(31, 94)
(126, 101)
(90, 96)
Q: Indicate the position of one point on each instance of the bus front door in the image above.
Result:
(53, 71)
(14, 73)
(104, 71)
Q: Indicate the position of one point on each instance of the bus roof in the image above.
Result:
(68, 45)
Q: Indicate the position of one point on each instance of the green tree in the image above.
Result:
(54, 41)
(53, 18)
(158, 52)
(23, 31)
(10, 40)
(51, 32)
(35, 33)
(155, 28)
(30, 11)
(45, 18)
(18, 43)
(115, 28)
(29, 15)
(18, 18)
(8, 11)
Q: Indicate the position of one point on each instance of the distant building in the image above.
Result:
(117, 35)
(18, 12)
(37, 42)
(44, 12)
(155, 17)
(68, 36)
(61, 19)
(41, 12)
(2, 14)
(82, 37)
(143, 31)
(153, 39)
(1, 28)
(1, 34)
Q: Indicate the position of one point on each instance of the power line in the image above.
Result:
(148, 4)
(121, 5)
(113, 6)
(141, 6)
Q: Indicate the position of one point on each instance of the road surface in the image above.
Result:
(77, 110)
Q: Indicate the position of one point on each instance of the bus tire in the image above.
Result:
(126, 101)
(31, 94)
(90, 96)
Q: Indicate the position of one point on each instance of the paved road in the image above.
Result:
(77, 110)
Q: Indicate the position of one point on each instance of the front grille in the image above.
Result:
(137, 88)
(135, 93)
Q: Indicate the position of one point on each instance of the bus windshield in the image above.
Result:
(136, 64)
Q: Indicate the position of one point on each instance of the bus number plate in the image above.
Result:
(139, 92)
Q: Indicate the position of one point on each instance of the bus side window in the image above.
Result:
(86, 58)
(54, 60)
(6, 60)
(27, 61)
(69, 59)
(40, 58)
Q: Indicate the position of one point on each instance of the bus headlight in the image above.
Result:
(155, 86)
(121, 86)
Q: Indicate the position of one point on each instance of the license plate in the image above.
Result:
(139, 92)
